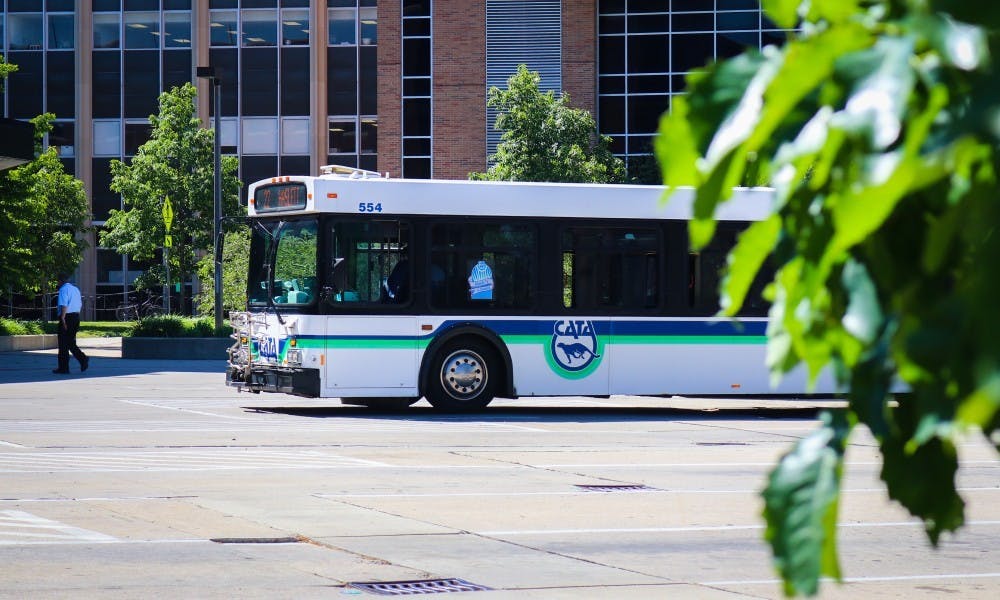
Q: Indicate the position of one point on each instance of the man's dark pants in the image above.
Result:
(67, 342)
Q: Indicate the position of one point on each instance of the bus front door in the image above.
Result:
(371, 356)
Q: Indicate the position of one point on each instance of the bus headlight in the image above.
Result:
(294, 358)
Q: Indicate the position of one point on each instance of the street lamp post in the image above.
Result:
(209, 73)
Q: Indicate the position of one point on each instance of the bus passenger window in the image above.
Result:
(369, 263)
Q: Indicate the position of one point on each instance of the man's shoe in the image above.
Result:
(60, 371)
(84, 363)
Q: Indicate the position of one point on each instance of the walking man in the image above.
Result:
(70, 304)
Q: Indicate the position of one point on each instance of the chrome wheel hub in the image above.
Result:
(463, 375)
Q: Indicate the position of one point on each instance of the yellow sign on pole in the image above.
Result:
(168, 213)
(168, 241)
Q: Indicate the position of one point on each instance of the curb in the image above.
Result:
(16, 343)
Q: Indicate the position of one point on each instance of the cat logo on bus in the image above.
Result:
(574, 345)
(272, 348)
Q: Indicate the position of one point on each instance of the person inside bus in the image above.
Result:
(397, 284)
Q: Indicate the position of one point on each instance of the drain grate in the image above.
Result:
(617, 488)
(420, 586)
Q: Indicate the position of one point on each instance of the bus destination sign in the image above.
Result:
(281, 196)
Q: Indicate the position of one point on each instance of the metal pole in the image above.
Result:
(217, 230)
(166, 283)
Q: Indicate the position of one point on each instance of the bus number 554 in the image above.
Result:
(369, 207)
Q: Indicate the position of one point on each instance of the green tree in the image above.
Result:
(876, 124)
(176, 162)
(544, 139)
(235, 266)
(43, 216)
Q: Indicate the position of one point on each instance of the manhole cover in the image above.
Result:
(617, 488)
(423, 586)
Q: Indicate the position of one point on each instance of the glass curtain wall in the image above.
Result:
(352, 83)
(645, 50)
(140, 49)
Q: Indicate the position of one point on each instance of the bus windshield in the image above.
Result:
(284, 256)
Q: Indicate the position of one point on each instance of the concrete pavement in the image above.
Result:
(149, 478)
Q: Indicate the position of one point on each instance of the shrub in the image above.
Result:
(15, 327)
(176, 326)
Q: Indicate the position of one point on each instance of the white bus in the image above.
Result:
(381, 291)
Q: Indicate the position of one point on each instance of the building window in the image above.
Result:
(369, 135)
(62, 138)
(260, 28)
(142, 30)
(343, 136)
(295, 27)
(107, 138)
(343, 26)
(177, 29)
(136, 134)
(230, 132)
(295, 136)
(107, 30)
(61, 36)
(369, 26)
(260, 136)
(223, 28)
(24, 31)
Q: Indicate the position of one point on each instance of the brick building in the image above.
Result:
(397, 86)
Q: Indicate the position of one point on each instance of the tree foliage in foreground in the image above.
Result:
(177, 162)
(544, 139)
(43, 216)
(878, 126)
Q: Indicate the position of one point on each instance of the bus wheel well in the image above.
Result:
(473, 334)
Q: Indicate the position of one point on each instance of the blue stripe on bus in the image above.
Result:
(602, 328)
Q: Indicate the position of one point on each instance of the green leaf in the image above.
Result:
(923, 481)
(863, 318)
(801, 503)
(676, 149)
(882, 80)
(783, 12)
(745, 260)
(982, 406)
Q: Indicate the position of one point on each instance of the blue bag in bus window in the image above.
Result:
(481, 282)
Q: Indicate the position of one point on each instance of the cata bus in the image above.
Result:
(381, 291)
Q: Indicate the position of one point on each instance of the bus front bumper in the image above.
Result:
(284, 380)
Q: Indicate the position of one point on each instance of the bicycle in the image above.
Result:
(150, 307)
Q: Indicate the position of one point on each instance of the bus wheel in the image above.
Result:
(460, 378)
(388, 403)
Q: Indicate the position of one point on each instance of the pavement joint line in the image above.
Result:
(100, 499)
(597, 494)
(872, 579)
(696, 529)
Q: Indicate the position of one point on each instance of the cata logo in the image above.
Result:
(574, 346)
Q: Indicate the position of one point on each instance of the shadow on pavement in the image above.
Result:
(553, 413)
(36, 366)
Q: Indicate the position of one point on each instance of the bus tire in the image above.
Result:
(463, 376)
(381, 403)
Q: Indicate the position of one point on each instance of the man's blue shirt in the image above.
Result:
(69, 296)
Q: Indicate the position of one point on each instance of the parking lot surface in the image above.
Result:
(146, 479)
